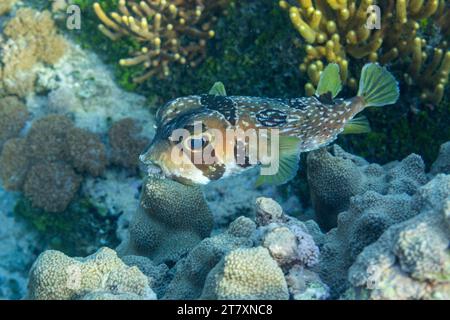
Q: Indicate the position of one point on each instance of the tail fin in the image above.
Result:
(377, 86)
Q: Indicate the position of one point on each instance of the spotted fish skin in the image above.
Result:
(313, 122)
(303, 124)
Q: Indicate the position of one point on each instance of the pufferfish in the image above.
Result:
(302, 124)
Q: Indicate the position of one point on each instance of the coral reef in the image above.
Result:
(42, 163)
(191, 272)
(15, 164)
(411, 260)
(199, 273)
(286, 238)
(305, 284)
(86, 151)
(390, 197)
(442, 163)
(55, 276)
(157, 274)
(31, 40)
(246, 274)
(344, 31)
(51, 186)
(337, 176)
(127, 143)
(171, 219)
(166, 32)
(81, 88)
(6, 6)
(232, 198)
(13, 117)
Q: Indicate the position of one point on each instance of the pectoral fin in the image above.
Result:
(218, 89)
(288, 156)
(357, 126)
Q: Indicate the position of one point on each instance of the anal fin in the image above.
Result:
(357, 126)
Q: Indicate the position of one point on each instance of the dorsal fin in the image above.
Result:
(218, 89)
(326, 98)
(330, 81)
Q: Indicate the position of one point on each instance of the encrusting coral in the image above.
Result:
(246, 274)
(102, 275)
(442, 163)
(168, 31)
(13, 116)
(127, 143)
(171, 219)
(344, 31)
(196, 275)
(46, 164)
(15, 164)
(31, 39)
(191, 271)
(411, 260)
(335, 176)
(392, 194)
(157, 274)
(51, 186)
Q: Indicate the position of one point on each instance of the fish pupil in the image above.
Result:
(198, 143)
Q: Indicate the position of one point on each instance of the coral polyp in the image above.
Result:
(168, 32)
(344, 31)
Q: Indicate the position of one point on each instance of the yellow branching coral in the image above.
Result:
(170, 31)
(341, 30)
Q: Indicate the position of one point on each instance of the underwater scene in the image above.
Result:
(224, 150)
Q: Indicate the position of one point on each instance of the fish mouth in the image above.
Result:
(153, 169)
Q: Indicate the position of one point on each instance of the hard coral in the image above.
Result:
(335, 176)
(42, 163)
(191, 271)
(55, 276)
(411, 260)
(344, 31)
(13, 116)
(86, 151)
(442, 163)
(246, 274)
(304, 284)
(51, 186)
(171, 219)
(32, 39)
(14, 164)
(47, 138)
(168, 31)
(157, 274)
(127, 143)
(391, 196)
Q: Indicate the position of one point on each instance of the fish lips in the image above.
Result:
(152, 168)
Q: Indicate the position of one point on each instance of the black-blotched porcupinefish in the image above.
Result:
(195, 129)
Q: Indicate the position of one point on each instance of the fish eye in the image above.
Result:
(197, 143)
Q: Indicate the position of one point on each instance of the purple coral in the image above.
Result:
(307, 251)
